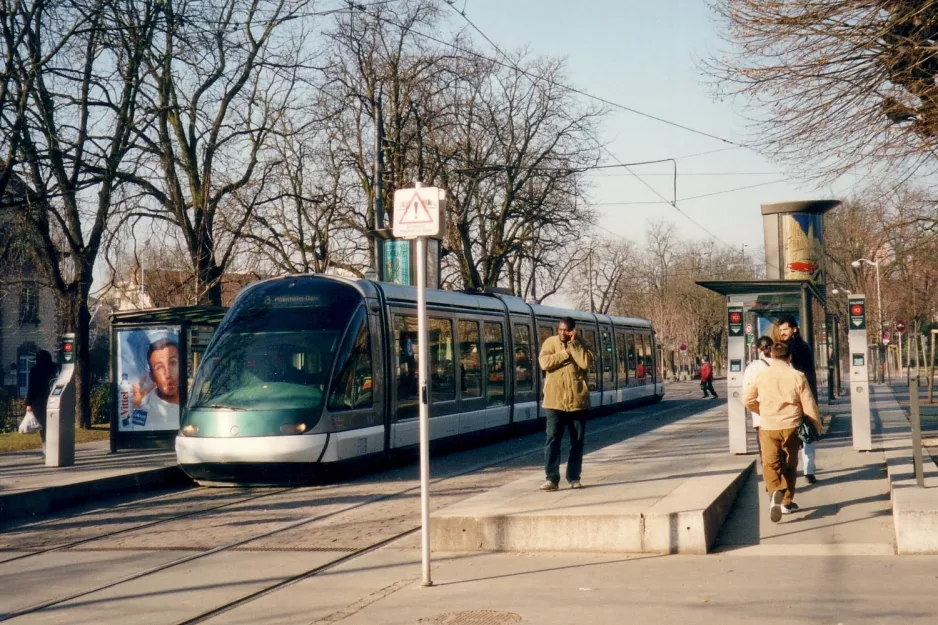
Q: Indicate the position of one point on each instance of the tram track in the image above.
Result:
(345, 557)
(143, 526)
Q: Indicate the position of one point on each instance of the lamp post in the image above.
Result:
(879, 306)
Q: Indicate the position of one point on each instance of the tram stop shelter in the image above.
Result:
(762, 304)
(154, 356)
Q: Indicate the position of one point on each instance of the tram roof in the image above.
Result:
(171, 315)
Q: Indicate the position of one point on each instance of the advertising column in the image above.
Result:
(736, 354)
(859, 374)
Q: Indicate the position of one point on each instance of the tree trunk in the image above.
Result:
(81, 326)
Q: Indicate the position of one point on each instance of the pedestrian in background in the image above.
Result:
(754, 368)
(567, 362)
(37, 392)
(706, 378)
(802, 359)
(782, 398)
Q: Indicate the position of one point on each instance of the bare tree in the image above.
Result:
(836, 84)
(221, 76)
(78, 64)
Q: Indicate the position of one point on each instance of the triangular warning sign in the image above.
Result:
(416, 212)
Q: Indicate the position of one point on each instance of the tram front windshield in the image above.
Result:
(275, 350)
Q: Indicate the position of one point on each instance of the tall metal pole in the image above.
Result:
(423, 353)
(915, 417)
(879, 306)
(378, 189)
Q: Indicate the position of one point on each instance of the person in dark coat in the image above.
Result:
(802, 359)
(37, 394)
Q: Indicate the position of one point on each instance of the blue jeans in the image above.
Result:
(575, 424)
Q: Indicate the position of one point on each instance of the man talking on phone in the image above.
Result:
(567, 362)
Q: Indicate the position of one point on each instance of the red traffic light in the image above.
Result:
(67, 347)
(736, 317)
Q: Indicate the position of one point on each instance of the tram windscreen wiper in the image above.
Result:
(221, 406)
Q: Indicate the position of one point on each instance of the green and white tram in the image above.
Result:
(311, 370)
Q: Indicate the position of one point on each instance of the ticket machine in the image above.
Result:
(60, 411)
(736, 357)
(859, 374)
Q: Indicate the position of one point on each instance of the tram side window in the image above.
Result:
(622, 358)
(352, 386)
(640, 368)
(543, 333)
(442, 367)
(608, 359)
(524, 367)
(589, 337)
(495, 364)
(631, 356)
(469, 355)
(406, 352)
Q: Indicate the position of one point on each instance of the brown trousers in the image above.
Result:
(780, 460)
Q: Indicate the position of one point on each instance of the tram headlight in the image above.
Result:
(292, 428)
(190, 430)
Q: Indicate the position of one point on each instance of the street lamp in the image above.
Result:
(837, 290)
(879, 303)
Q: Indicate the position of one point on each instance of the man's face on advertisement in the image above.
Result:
(164, 369)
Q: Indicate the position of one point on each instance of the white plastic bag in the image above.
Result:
(29, 423)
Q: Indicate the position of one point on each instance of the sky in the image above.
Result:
(645, 55)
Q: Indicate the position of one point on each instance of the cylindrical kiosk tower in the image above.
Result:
(794, 240)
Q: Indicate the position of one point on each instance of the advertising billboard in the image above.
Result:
(148, 379)
(803, 247)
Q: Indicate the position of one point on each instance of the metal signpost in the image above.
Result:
(736, 352)
(859, 374)
(900, 329)
(418, 214)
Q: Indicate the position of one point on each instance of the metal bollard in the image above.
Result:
(916, 430)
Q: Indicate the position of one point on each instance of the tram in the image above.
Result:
(311, 370)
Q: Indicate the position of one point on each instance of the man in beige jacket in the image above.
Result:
(782, 398)
(567, 362)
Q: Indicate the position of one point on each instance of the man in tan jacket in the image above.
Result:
(567, 362)
(782, 398)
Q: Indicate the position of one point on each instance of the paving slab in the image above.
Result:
(914, 509)
(847, 512)
(667, 491)
(28, 487)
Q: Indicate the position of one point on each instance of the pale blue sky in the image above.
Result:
(643, 55)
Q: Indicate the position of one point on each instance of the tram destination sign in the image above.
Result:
(856, 306)
(419, 212)
(734, 315)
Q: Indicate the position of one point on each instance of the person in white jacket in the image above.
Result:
(754, 368)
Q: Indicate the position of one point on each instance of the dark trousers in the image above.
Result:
(575, 424)
(707, 386)
(41, 418)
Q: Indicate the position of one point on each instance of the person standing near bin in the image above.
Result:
(37, 393)
(782, 398)
(802, 359)
(567, 362)
(706, 378)
(753, 369)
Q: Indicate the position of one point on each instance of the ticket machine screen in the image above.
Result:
(736, 366)
(57, 391)
(859, 360)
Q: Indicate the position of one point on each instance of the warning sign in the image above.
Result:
(418, 212)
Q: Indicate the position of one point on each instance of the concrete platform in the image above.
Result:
(28, 487)
(667, 491)
(914, 509)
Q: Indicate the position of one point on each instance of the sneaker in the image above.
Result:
(789, 508)
(576, 484)
(775, 511)
(811, 479)
(549, 486)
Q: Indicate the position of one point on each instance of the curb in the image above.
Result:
(49, 499)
